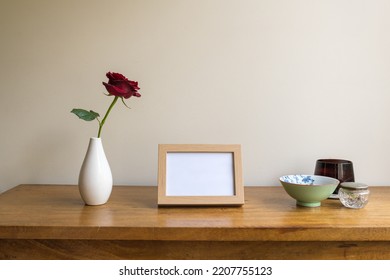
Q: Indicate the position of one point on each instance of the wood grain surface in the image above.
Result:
(52, 222)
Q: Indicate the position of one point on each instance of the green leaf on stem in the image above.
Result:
(85, 115)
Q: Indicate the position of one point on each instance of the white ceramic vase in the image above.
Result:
(95, 179)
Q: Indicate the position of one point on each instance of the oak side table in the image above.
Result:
(52, 222)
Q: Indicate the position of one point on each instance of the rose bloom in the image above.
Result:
(119, 85)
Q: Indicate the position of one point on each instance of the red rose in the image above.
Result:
(119, 85)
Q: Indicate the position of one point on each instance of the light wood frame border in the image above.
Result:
(235, 200)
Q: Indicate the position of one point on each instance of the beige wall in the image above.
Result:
(292, 81)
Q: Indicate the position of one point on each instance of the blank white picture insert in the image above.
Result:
(200, 174)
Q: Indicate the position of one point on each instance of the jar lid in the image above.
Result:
(353, 185)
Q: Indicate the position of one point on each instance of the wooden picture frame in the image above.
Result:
(200, 174)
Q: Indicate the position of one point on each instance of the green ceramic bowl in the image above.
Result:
(309, 190)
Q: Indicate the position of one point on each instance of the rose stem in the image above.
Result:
(105, 117)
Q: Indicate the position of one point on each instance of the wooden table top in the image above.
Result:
(269, 214)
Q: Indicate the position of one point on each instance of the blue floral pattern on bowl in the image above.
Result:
(299, 179)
